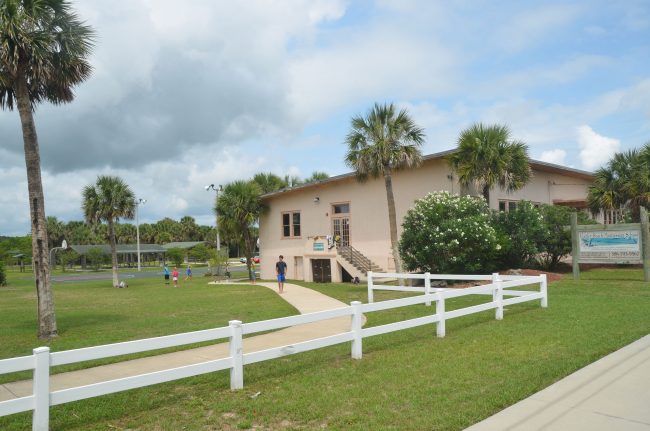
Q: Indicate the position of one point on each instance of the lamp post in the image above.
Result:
(64, 246)
(219, 189)
(137, 226)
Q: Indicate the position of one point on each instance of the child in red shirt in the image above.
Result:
(175, 276)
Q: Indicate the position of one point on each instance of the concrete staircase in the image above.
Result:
(355, 262)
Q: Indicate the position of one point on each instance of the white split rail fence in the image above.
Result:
(42, 359)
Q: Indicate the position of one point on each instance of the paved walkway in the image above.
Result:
(613, 393)
(305, 300)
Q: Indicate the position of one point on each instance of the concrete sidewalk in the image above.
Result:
(613, 393)
(305, 300)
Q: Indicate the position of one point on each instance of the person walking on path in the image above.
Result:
(166, 273)
(188, 273)
(280, 270)
(175, 276)
(253, 275)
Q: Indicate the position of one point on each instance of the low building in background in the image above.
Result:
(337, 229)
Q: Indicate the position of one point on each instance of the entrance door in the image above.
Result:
(321, 270)
(297, 267)
(341, 223)
(341, 228)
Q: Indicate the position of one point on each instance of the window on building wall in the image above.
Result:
(506, 205)
(291, 224)
(341, 208)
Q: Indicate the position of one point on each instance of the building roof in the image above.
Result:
(183, 245)
(121, 248)
(535, 164)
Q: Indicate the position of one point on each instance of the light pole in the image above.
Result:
(64, 246)
(137, 225)
(219, 189)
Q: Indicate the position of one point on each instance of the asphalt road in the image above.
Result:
(132, 273)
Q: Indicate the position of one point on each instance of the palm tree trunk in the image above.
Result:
(486, 194)
(248, 250)
(40, 253)
(392, 220)
(111, 236)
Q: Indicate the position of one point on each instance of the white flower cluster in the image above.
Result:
(444, 231)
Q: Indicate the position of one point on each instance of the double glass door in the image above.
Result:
(341, 230)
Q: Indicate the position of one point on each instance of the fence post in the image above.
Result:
(427, 288)
(41, 415)
(498, 292)
(543, 288)
(237, 354)
(440, 311)
(495, 278)
(357, 318)
(371, 296)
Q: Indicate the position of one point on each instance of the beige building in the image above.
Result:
(302, 221)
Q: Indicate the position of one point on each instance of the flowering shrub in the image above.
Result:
(447, 233)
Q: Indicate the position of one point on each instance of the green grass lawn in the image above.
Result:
(407, 380)
(92, 313)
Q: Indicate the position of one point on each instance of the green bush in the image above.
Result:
(176, 255)
(200, 253)
(3, 274)
(97, 257)
(522, 233)
(445, 233)
(558, 244)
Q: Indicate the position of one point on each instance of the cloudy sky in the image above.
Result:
(190, 93)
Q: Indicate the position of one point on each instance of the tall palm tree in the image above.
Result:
(109, 199)
(43, 54)
(487, 157)
(379, 144)
(238, 209)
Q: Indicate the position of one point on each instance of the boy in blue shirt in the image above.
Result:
(280, 271)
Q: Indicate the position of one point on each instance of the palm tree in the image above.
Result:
(486, 157)
(315, 176)
(269, 182)
(107, 200)
(189, 228)
(55, 231)
(43, 52)
(238, 209)
(379, 144)
(623, 184)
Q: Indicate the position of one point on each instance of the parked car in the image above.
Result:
(256, 259)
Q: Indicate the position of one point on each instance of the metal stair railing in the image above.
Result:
(357, 259)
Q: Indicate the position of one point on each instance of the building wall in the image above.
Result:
(369, 230)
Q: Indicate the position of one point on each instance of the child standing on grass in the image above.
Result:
(175, 276)
(188, 273)
(166, 273)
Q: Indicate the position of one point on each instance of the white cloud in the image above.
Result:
(595, 149)
(530, 27)
(556, 156)
(378, 64)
